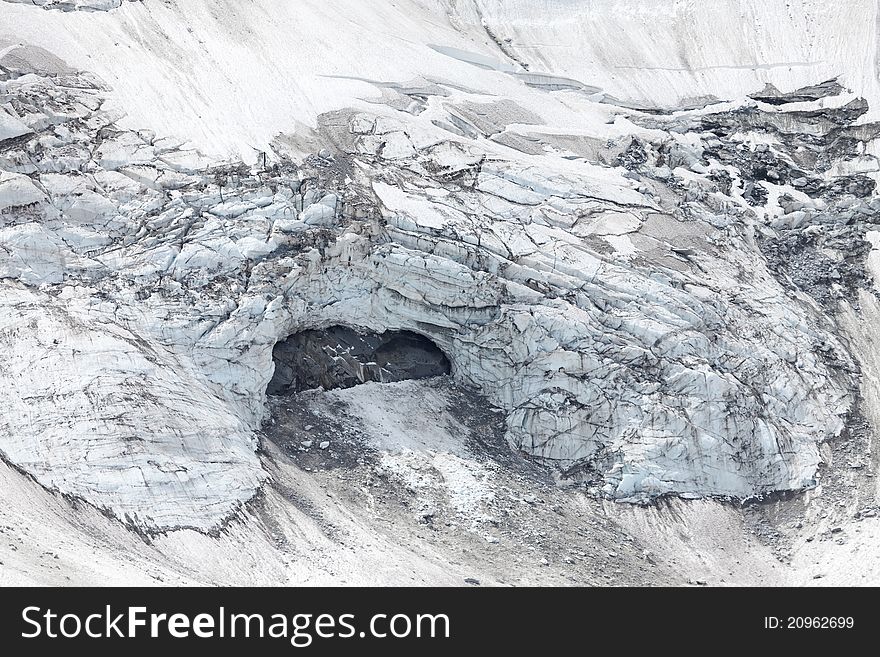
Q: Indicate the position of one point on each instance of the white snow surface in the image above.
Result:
(230, 75)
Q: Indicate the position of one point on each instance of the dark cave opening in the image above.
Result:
(342, 357)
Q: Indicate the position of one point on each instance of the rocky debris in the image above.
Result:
(799, 155)
(807, 172)
(772, 95)
(826, 264)
(633, 157)
(824, 126)
(721, 177)
(755, 193)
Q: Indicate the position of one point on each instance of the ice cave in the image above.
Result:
(342, 357)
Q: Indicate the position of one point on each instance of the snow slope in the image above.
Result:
(231, 75)
(667, 53)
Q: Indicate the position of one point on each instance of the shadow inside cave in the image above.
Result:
(342, 357)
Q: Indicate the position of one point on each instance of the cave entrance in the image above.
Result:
(341, 357)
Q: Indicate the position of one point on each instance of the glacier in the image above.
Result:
(643, 251)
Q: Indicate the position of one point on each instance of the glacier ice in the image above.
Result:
(638, 293)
